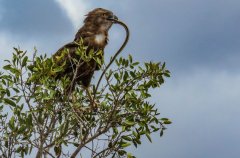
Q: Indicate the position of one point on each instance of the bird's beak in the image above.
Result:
(113, 18)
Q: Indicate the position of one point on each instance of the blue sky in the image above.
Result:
(198, 39)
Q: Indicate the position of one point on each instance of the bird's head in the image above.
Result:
(101, 18)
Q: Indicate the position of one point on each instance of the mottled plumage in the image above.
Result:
(94, 34)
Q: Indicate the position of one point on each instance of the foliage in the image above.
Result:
(37, 117)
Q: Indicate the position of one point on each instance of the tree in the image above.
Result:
(38, 118)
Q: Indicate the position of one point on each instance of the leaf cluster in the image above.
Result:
(37, 114)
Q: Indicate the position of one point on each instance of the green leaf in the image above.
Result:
(124, 144)
(135, 64)
(19, 149)
(161, 133)
(11, 123)
(123, 128)
(163, 66)
(76, 144)
(122, 152)
(167, 122)
(16, 90)
(138, 141)
(24, 62)
(9, 102)
(66, 128)
(57, 69)
(7, 67)
(129, 155)
(21, 129)
(130, 58)
(132, 74)
(8, 92)
(116, 76)
(135, 134)
(125, 77)
(127, 138)
(166, 74)
(29, 120)
(148, 136)
(25, 151)
(57, 150)
(135, 143)
(129, 123)
(164, 119)
(6, 144)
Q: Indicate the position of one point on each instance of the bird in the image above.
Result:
(94, 36)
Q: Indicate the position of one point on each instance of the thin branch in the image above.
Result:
(89, 140)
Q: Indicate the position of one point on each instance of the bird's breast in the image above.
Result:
(100, 39)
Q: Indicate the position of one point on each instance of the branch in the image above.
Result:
(89, 140)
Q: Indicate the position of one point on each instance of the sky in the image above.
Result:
(198, 39)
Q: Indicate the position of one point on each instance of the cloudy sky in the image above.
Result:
(198, 39)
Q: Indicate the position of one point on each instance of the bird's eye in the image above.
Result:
(104, 14)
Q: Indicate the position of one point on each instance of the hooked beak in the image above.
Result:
(113, 18)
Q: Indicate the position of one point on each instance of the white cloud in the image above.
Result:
(204, 108)
(203, 87)
(75, 9)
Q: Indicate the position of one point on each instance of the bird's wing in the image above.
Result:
(83, 33)
(69, 46)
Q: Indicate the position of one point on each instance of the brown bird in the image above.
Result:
(94, 35)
